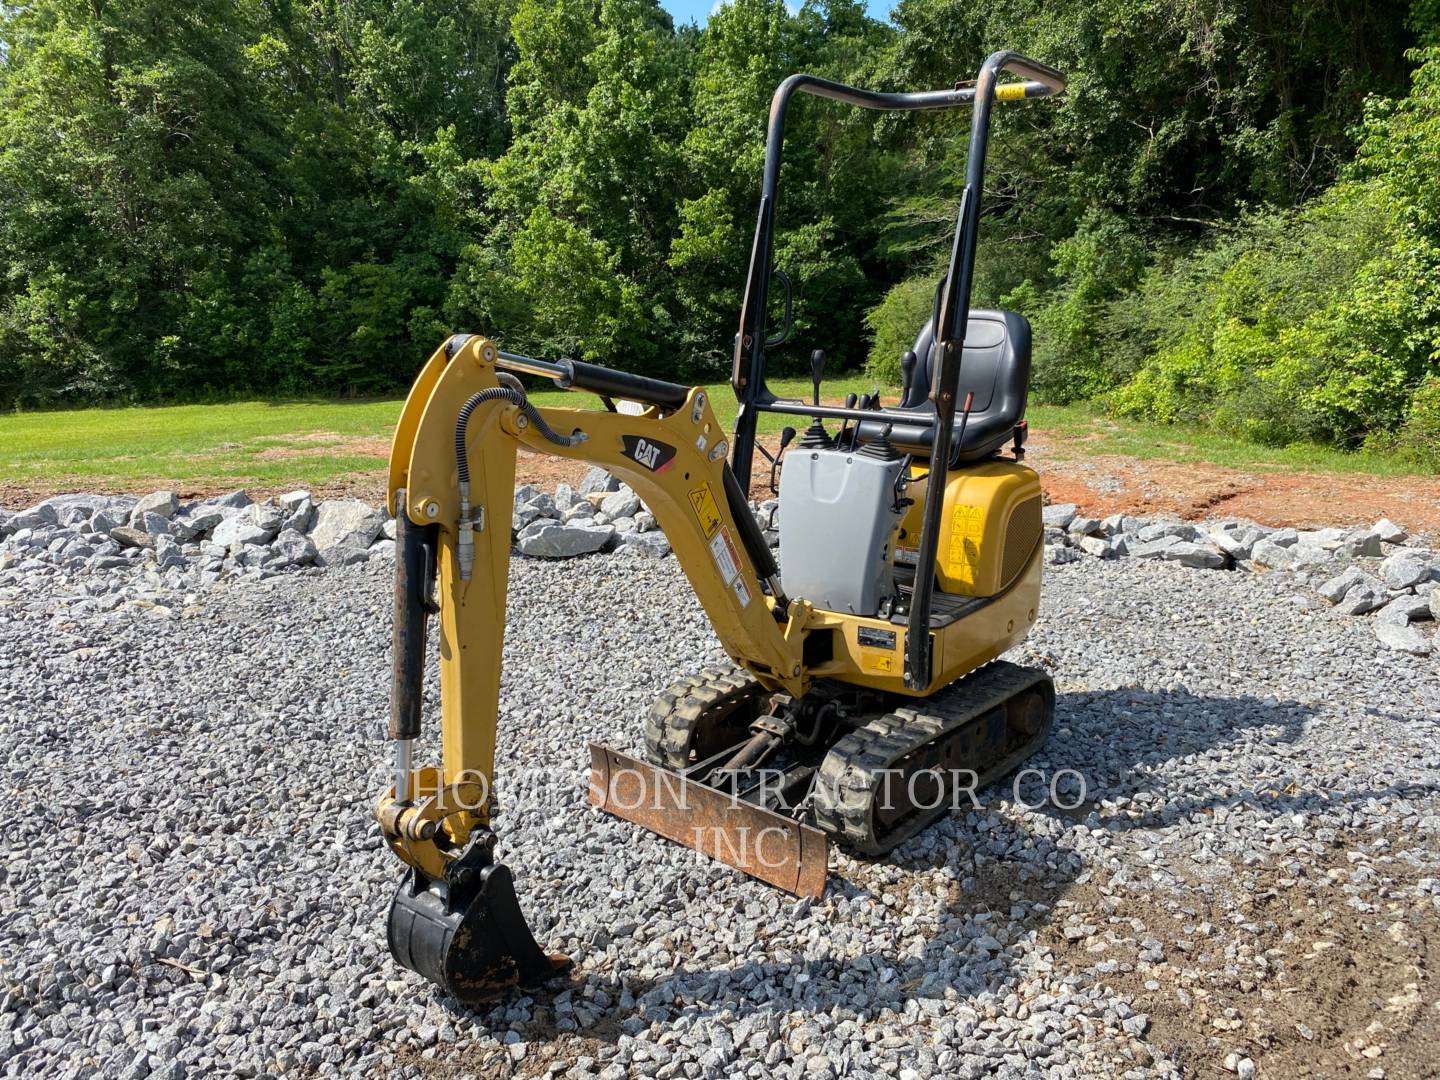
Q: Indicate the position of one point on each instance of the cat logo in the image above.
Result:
(655, 456)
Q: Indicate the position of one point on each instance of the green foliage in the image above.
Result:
(894, 323)
(1230, 218)
(1315, 325)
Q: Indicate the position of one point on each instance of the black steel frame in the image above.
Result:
(952, 301)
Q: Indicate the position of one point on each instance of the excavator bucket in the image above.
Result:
(472, 941)
(758, 841)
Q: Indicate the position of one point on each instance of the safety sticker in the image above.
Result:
(702, 501)
(727, 559)
(877, 662)
(741, 592)
(967, 529)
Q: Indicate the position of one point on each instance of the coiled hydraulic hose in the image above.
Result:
(515, 394)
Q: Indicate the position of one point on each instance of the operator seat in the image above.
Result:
(995, 366)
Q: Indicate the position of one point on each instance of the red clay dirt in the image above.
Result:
(1099, 484)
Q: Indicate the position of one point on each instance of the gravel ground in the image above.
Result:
(192, 880)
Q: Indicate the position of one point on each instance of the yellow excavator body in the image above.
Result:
(863, 693)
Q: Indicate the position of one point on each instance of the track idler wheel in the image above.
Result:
(470, 940)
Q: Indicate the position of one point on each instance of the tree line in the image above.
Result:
(1230, 215)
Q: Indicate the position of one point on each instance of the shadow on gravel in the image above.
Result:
(1002, 881)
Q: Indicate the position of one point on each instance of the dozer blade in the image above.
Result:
(474, 945)
(762, 843)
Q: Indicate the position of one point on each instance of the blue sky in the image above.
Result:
(699, 10)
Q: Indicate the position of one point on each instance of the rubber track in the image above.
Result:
(851, 776)
(691, 705)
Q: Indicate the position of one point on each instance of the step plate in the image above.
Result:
(776, 849)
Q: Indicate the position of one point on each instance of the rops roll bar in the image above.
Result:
(952, 305)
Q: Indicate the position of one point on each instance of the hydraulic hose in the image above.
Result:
(514, 393)
(516, 396)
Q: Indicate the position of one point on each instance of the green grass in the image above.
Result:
(281, 444)
(257, 444)
(1103, 434)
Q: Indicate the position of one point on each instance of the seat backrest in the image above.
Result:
(994, 366)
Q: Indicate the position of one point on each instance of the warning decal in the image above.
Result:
(967, 528)
(741, 592)
(702, 501)
(727, 559)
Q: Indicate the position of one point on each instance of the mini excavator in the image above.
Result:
(863, 692)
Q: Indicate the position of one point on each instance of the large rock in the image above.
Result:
(293, 548)
(1275, 556)
(1187, 553)
(345, 521)
(120, 504)
(239, 531)
(1402, 637)
(564, 497)
(291, 500)
(1387, 532)
(1405, 609)
(37, 517)
(163, 503)
(1327, 539)
(1361, 543)
(1362, 597)
(1336, 588)
(652, 545)
(235, 499)
(102, 521)
(557, 541)
(1154, 549)
(1434, 599)
(168, 555)
(581, 511)
(623, 503)
(301, 516)
(1234, 544)
(543, 505)
(130, 536)
(598, 480)
(1097, 546)
(1120, 524)
(154, 524)
(1058, 515)
(1405, 570)
(1180, 530)
(200, 519)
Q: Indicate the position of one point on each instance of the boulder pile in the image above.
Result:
(1377, 571)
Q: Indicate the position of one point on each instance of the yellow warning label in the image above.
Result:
(1010, 92)
(881, 662)
(962, 555)
(702, 501)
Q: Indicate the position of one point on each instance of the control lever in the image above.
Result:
(849, 404)
(816, 437)
(907, 375)
(787, 436)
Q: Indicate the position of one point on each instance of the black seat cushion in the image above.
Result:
(994, 366)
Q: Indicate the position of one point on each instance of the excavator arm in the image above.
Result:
(451, 485)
